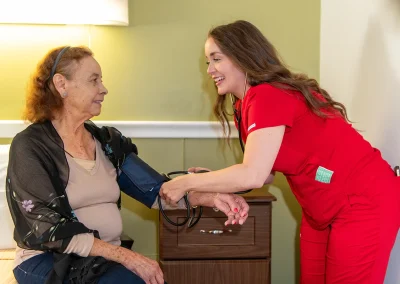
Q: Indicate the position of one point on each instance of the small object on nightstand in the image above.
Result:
(215, 232)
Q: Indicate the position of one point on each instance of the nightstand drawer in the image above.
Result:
(255, 271)
(252, 239)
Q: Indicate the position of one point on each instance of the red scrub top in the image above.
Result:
(324, 159)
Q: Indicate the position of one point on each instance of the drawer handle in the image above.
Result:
(215, 232)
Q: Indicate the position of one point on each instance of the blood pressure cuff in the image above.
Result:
(140, 181)
(135, 178)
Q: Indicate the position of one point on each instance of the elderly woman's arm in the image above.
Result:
(232, 205)
(145, 268)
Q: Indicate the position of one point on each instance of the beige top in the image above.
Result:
(92, 192)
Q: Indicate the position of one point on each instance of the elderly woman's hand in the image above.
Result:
(239, 209)
(232, 205)
(144, 267)
(198, 169)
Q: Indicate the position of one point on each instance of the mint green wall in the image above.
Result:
(157, 63)
(160, 60)
(155, 70)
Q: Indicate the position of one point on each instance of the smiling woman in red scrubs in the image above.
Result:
(349, 195)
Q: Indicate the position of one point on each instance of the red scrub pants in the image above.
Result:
(356, 247)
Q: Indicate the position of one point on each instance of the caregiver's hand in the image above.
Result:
(173, 190)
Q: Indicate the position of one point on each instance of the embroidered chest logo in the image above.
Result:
(251, 126)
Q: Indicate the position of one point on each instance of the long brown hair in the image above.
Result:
(248, 48)
(42, 99)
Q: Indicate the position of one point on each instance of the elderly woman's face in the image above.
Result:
(85, 90)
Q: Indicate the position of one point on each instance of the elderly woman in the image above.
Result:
(62, 189)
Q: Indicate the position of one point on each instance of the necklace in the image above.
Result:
(83, 148)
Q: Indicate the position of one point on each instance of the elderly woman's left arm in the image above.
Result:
(233, 206)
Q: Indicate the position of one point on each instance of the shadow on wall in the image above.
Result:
(376, 103)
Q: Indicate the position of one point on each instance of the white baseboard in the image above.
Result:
(142, 129)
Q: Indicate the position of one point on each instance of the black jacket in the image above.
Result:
(37, 176)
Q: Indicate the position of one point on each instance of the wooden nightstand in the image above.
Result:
(238, 255)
